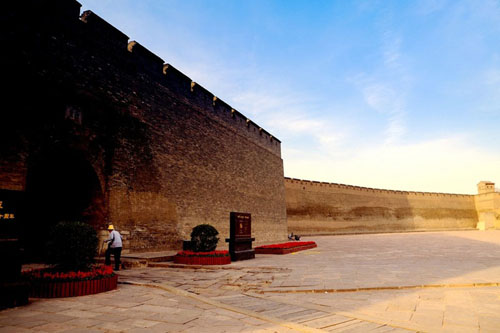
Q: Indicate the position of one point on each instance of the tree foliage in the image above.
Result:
(204, 238)
(72, 246)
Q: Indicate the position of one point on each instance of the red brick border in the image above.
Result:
(73, 288)
(202, 260)
(259, 250)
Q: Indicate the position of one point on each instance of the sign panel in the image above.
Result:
(241, 225)
(240, 233)
(10, 202)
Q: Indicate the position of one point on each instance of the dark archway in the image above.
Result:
(61, 185)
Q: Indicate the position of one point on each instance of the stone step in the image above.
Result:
(142, 259)
(126, 262)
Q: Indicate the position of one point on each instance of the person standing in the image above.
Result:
(114, 247)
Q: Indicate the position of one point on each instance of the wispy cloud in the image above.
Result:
(384, 89)
(293, 116)
(346, 118)
(448, 163)
(266, 100)
(391, 50)
(427, 7)
(489, 89)
(492, 77)
(388, 101)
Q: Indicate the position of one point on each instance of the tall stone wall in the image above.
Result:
(165, 153)
(488, 209)
(326, 208)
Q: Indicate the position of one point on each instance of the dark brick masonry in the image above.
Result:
(96, 128)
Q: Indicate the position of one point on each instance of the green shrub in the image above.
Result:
(72, 246)
(204, 238)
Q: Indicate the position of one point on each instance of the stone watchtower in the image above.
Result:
(485, 187)
(488, 206)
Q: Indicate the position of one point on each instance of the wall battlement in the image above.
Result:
(326, 185)
(324, 208)
(127, 55)
(100, 31)
(146, 62)
(142, 145)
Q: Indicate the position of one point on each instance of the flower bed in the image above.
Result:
(284, 248)
(47, 284)
(203, 258)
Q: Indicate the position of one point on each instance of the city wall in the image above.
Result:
(98, 128)
(326, 208)
(488, 209)
(163, 153)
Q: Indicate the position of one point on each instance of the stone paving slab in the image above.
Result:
(446, 275)
(429, 282)
(327, 321)
(176, 314)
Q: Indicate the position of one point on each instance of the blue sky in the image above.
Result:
(395, 94)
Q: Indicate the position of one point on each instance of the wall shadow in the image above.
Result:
(61, 186)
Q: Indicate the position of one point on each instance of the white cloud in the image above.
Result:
(264, 100)
(386, 87)
(322, 139)
(291, 116)
(391, 50)
(381, 97)
(448, 165)
(427, 7)
(387, 100)
(492, 77)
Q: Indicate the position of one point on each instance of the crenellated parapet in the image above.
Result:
(154, 152)
(145, 62)
(325, 186)
(128, 55)
(323, 208)
(101, 32)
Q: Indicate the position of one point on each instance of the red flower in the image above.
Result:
(47, 275)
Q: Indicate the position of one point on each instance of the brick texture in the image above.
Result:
(325, 208)
(165, 153)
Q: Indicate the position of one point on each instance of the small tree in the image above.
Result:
(204, 238)
(72, 246)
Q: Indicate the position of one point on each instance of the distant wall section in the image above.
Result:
(326, 208)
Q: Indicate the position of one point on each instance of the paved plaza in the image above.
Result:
(407, 282)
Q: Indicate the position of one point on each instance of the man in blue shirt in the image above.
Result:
(114, 247)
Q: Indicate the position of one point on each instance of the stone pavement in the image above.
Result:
(429, 282)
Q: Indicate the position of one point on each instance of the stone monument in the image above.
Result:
(240, 236)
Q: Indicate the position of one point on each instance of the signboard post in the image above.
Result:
(13, 291)
(240, 236)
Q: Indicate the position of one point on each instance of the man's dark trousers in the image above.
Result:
(117, 253)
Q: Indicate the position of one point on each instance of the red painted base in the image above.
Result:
(73, 288)
(283, 251)
(202, 260)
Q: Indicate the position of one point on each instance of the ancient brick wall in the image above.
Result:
(323, 208)
(488, 209)
(167, 154)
